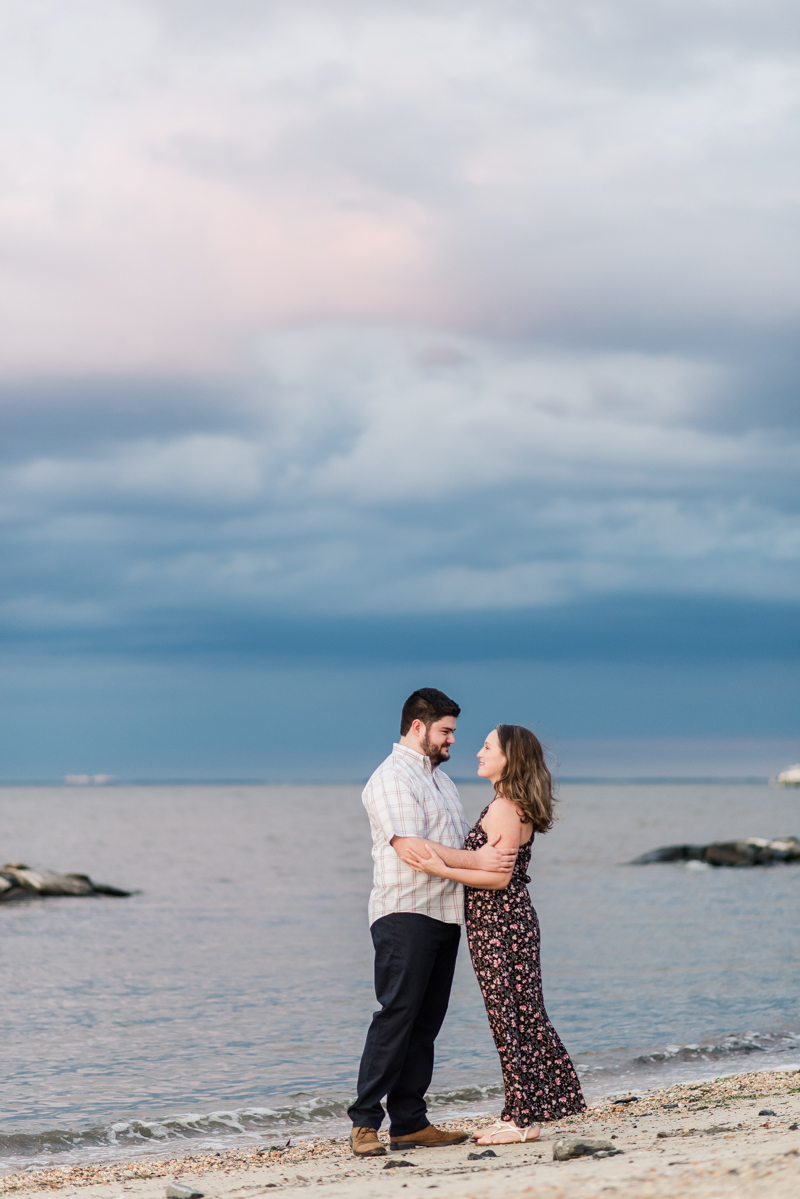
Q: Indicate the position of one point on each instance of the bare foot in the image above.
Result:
(506, 1133)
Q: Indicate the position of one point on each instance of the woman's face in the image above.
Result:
(491, 759)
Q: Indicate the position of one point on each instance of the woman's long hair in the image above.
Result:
(526, 780)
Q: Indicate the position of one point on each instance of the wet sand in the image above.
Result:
(704, 1139)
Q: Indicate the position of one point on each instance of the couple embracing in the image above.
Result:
(433, 873)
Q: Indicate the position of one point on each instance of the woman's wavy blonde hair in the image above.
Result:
(526, 780)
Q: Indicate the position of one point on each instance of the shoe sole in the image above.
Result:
(395, 1145)
(369, 1152)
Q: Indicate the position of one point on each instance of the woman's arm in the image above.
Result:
(428, 861)
(490, 857)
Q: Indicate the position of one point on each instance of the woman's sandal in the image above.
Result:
(508, 1126)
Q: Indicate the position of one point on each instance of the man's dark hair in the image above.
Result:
(427, 705)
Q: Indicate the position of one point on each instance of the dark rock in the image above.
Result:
(392, 1165)
(476, 1157)
(755, 851)
(670, 853)
(18, 881)
(566, 1148)
(177, 1190)
(765, 1111)
(625, 1099)
(793, 1127)
(735, 853)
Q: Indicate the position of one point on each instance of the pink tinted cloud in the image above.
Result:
(179, 178)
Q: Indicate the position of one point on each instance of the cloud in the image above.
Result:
(178, 178)
(196, 469)
(384, 471)
(355, 311)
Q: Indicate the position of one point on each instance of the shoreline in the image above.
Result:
(701, 1138)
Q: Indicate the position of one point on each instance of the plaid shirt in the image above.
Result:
(406, 798)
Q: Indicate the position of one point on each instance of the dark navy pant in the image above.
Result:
(415, 957)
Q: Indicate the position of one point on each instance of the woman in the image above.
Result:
(503, 935)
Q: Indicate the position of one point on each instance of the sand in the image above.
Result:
(705, 1139)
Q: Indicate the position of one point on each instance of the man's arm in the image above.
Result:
(481, 880)
(496, 860)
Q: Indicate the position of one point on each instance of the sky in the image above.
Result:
(346, 349)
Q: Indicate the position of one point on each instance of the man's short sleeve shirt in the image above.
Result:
(406, 798)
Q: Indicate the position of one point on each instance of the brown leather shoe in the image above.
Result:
(427, 1138)
(364, 1143)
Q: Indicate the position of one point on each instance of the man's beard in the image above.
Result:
(437, 756)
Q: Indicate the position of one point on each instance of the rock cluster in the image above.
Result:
(18, 882)
(755, 851)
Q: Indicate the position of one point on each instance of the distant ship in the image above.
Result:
(790, 777)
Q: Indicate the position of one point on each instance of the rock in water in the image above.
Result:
(755, 851)
(18, 881)
(671, 853)
(566, 1148)
(45, 882)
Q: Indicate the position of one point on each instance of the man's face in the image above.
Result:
(438, 739)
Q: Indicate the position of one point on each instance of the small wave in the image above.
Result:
(607, 1072)
(733, 1046)
(474, 1094)
(245, 1123)
(302, 1117)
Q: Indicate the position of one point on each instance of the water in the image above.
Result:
(227, 1003)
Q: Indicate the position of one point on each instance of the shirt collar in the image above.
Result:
(419, 760)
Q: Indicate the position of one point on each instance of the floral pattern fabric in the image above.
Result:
(503, 936)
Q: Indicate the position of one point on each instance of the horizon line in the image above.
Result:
(571, 780)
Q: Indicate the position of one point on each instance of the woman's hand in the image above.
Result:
(428, 862)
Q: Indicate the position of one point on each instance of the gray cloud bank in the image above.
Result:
(367, 472)
(346, 312)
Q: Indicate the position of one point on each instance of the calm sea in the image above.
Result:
(227, 1002)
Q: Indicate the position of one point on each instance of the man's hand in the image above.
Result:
(500, 861)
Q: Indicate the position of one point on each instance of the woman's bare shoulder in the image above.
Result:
(502, 816)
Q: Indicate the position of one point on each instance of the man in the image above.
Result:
(415, 921)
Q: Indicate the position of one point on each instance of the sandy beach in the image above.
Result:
(726, 1137)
